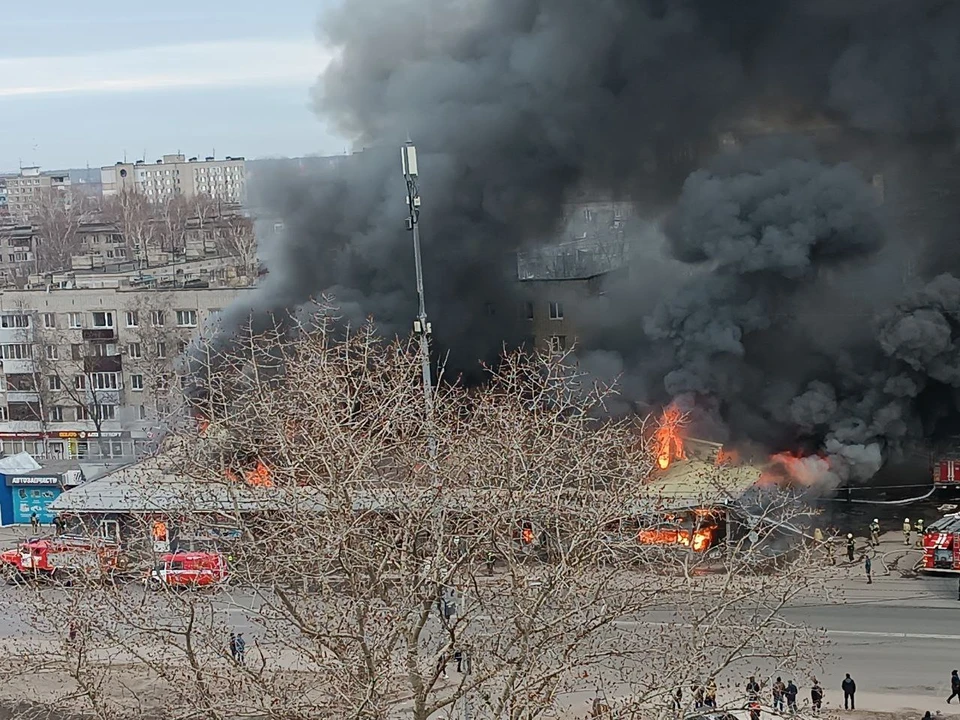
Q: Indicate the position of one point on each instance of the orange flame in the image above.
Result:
(260, 476)
(702, 537)
(795, 469)
(669, 444)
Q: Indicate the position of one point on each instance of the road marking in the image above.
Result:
(913, 636)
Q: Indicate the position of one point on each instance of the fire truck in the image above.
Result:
(187, 569)
(946, 472)
(60, 557)
(941, 545)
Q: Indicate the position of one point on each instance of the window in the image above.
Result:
(558, 343)
(82, 413)
(181, 347)
(17, 351)
(528, 310)
(106, 381)
(103, 319)
(105, 349)
(114, 448)
(4, 415)
(157, 317)
(142, 412)
(83, 449)
(80, 382)
(49, 321)
(133, 318)
(106, 412)
(556, 311)
(56, 414)
(14, 321)
(186, 318)
(53, 382)
(76, 351)
(161, 350)
(134, 351)
(136, 382)
(51, 352)
(75, 320)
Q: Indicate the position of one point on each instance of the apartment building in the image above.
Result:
(90, 372)
(171, 175)
(27, 191)
(18, 246)
(4, 208)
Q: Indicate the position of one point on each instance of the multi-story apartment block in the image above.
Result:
(90, 371)
(27, 191)
(174, 175)
(18, 246)
(4, 207)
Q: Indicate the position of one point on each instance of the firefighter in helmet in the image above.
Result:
(906, 531)
(851, 546)
(918, 526)
(875, 532)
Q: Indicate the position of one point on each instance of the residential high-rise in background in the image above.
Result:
(90, 363)
(28, 192)
(223, 180)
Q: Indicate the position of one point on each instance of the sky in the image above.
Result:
(91, 83)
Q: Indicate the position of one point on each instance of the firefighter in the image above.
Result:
(875, 532)
(867, 566)
(918, 526)
(851, 546)
(906, 531)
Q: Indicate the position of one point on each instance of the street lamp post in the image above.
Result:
(421, 326)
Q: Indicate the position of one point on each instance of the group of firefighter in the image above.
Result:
(874, 533)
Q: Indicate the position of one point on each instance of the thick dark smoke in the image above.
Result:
(778, 299)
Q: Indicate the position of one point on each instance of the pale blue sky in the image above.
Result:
(83, 82)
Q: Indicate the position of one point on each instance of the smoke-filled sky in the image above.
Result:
(788, 304)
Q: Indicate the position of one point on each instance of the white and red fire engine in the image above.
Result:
(946, 472)
(941, 545)
(48, 558)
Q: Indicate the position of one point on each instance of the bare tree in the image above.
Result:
(58, 218)
(133, 214)
(532, 566)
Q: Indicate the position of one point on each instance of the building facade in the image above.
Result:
(27, 191)
(92, 372)
(173, 175)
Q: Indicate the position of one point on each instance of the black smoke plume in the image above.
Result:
(777, 295)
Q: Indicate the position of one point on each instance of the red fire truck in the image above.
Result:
(946, 472)
(187, 569)
(52, 558)
(941, 545)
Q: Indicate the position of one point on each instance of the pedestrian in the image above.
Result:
(710, 697)
(491, 562)
(755, 710)
(72, 633)
(875, 532)
(233, 646)
(777, 691)
(867, 566)
(241, 648)
(851, 546)
(753, 689)
(816, 696)
(442, 665)
(954, 687)
(458, 658)
(678, 698)
(698, 696)
(34, 522)
(791, 695)
(849, 691)
(927, 716)
(818, 536)
(906, 531)
(58, 525)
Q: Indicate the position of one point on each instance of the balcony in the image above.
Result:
(108, 363)
(17, 367)
(99, 334)
(22, 396)
(102, 397)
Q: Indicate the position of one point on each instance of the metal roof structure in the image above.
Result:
(699, 483)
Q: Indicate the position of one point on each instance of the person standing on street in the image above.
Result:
(816, 696)
(34, 522)
(849, 691)
(875, 532)
(851, 546)
(906, 531)
(241, 648)
(918, 526)
(710, 698)
(778, 690)
(954, 687)
(753, 689)
(791, 695)
(233, 646)
(867, 567)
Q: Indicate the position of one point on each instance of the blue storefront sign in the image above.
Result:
(31, 494)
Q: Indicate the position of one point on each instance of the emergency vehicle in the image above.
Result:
(941, 545)
(187, 569)
(946, 472)
(53, 558)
